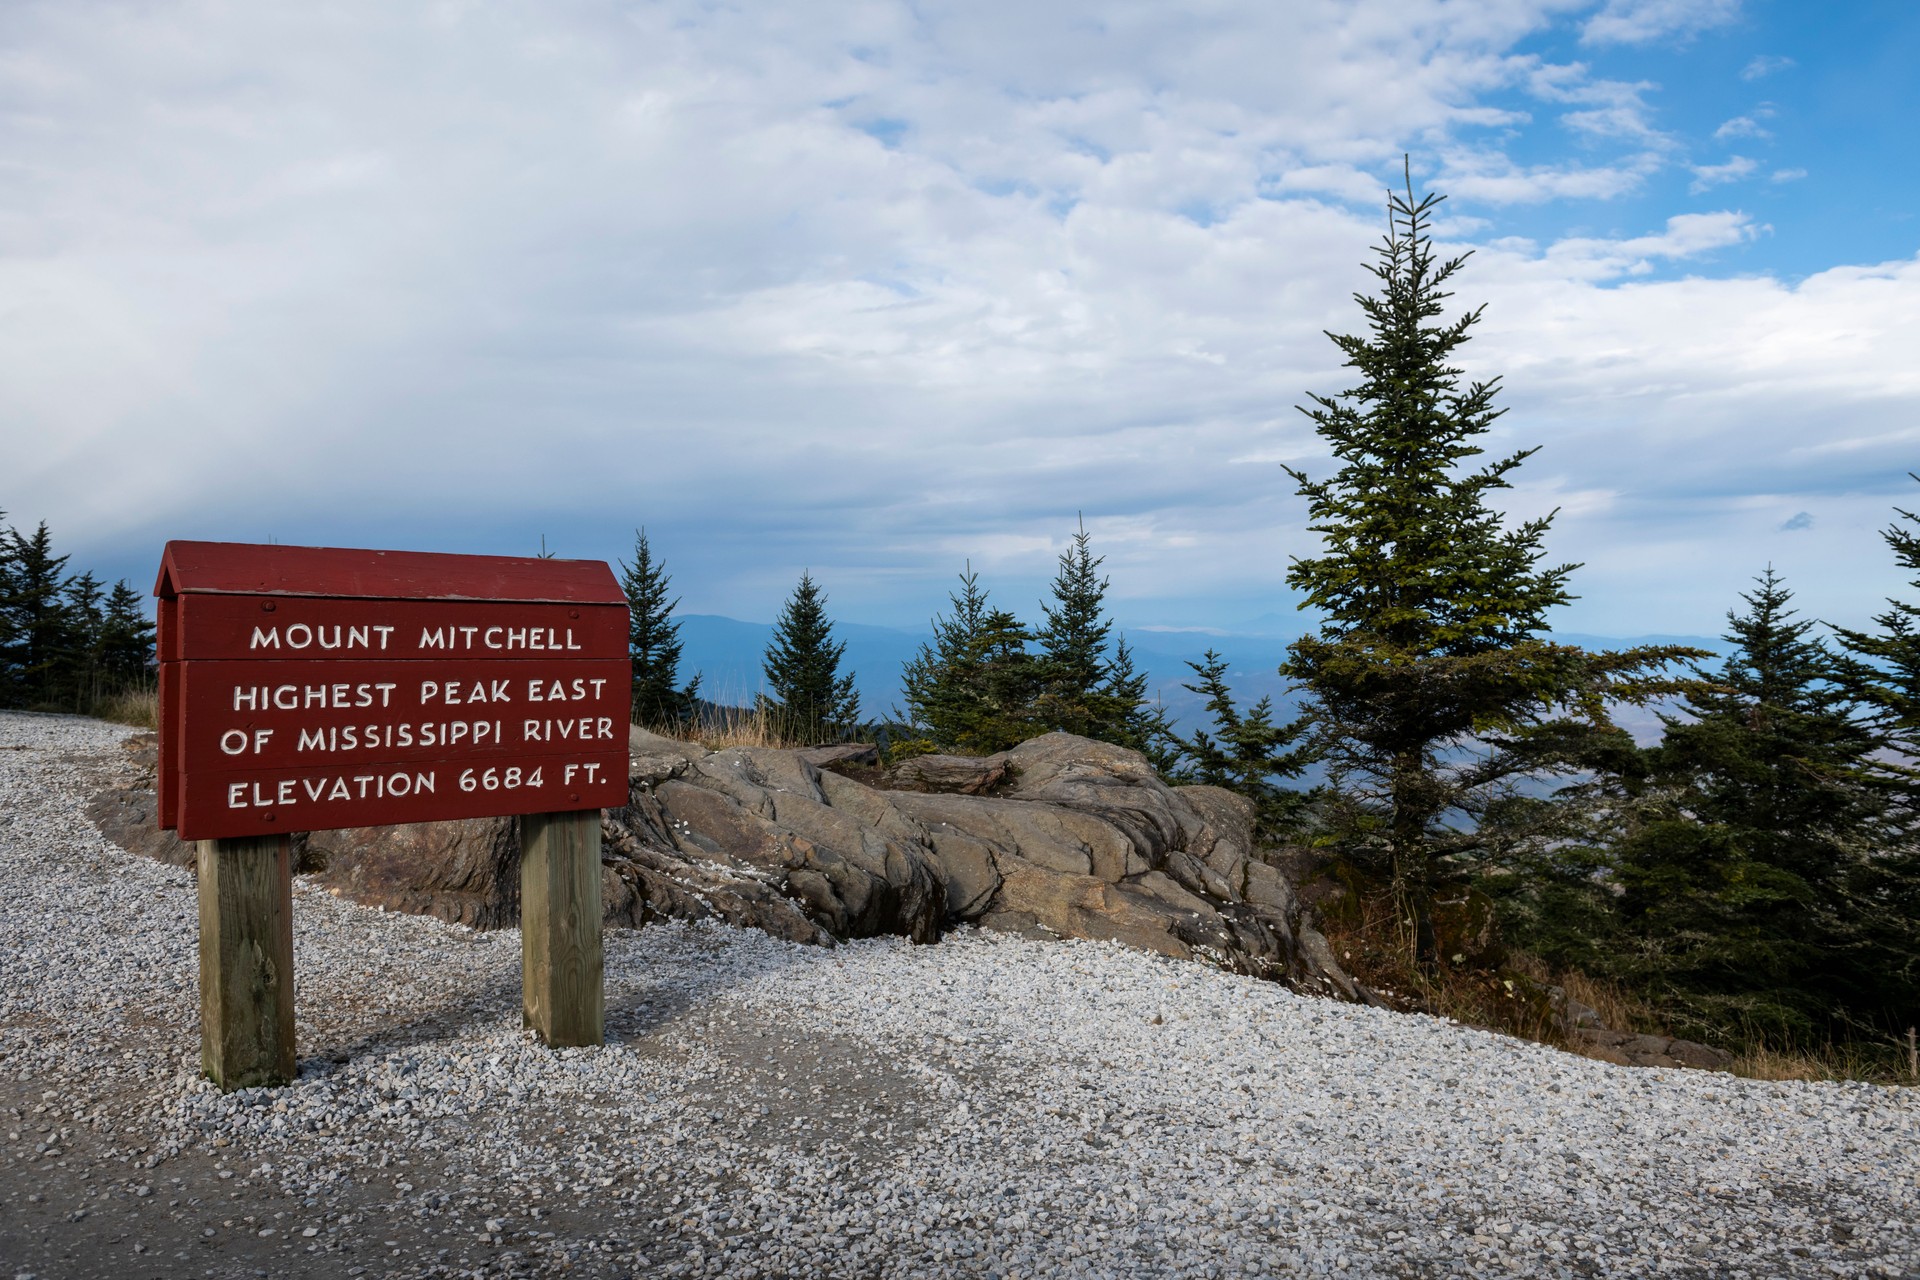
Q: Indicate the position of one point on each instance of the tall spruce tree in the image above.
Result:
(1073, 643)
(82, 660)
(1739, 886)
(653, 641)
(1434, 609)
(1082, 688)
(1881, 668)
(39, 620)
(126, 647)
(812, 701)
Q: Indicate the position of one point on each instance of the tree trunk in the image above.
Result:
(1412, 876)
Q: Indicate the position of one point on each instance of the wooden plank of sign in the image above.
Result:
(561, 961)
(327, 797)
(167, 772)
(319, 628)
(166, 631)
(262, 715)
(166, 644)
(246, 961)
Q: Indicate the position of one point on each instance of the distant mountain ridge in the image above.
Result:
(728, 653)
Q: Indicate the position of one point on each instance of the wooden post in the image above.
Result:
(246, 961)
(560, 959)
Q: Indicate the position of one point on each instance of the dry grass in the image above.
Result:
(139, 707)
(1884, 1062)
(731, 727)
(1616, 1007)
(1762, 1063)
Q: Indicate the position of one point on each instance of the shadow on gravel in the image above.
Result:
(645, 1007)
(779, 1085)
(331, 1036)
(651, 996)
(81, 1211)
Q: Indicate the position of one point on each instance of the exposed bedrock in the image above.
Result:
(1060, 837)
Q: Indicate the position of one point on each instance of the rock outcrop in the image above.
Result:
(129, 814)
(466, 872)
(1059, 837)
(750, 835)
(1626, 1049)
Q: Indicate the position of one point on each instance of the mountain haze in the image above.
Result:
(728, 652)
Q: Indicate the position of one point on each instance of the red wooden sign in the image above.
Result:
(306, 688)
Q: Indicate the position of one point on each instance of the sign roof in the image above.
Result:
(239, 568)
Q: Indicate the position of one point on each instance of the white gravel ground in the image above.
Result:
(983, 1107)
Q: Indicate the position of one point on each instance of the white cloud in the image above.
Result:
(1742, 127)
(1708, 176)
(1764, 65)
(1643, 21)
(1688, 235)
(1788, 175)
(1492, 177)
(1710, 406)
(1341, 180)
(1612, 108)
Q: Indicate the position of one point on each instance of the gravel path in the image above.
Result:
(983, 1107)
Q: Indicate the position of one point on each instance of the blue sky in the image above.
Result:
(876, 289)
(1797, 114)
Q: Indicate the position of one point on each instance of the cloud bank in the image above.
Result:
(875, 289)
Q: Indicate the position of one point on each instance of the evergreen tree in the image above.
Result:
(979, 688)
(1739, 885)
(1078, 689)
(1434, 610)
(38, 620)
(1073, 644)
(79, 666)
(1556, 894)
(938, 697)
(812, 701)
(1140, 725)
(9, 633)
(126, 649)
(64, 640)
(653, 641)
(973, 688)
(1882, 670)
(1245, 752)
